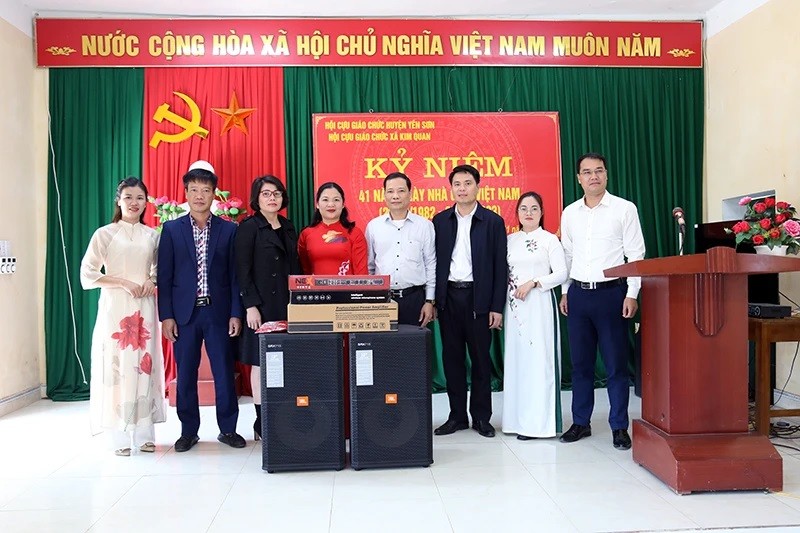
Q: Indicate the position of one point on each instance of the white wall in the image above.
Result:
(23, 180)
(753, 122)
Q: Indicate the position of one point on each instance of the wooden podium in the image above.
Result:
(693, 434)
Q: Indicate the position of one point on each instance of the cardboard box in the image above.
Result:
(342, 318)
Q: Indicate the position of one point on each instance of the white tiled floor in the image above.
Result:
(55, 477)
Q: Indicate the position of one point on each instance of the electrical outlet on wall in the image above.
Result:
(8, 265)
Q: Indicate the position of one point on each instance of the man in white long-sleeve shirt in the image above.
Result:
(401, 245)
(599, 231)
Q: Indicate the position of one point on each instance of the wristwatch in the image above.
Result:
(432, 302)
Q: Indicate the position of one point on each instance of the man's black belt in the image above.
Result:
(593, 285)
(399, 293)
(460, 284)
(202, 301)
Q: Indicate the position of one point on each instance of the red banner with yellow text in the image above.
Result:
(343, 42)
(230, 117)
(514, 153)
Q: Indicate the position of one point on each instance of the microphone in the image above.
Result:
(677, 214)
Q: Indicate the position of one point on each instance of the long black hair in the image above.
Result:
(344, 218)
(128, 182)
(536, 196)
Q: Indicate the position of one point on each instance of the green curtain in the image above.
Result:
(96, 128)
(647, 122)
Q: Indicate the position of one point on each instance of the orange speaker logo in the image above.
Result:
(302, 401)
(391, 399)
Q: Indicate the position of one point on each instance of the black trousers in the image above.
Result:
(409, 306)
(461, 328)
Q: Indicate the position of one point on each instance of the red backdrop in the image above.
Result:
(252, 146)
(514, 152)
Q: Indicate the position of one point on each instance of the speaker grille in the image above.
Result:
(302, 402)
(390, 401)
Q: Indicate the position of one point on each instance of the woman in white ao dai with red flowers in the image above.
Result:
(532, 376)
(127, 384)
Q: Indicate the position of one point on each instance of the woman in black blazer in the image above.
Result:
(266, 254)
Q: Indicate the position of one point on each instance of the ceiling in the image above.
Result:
(647, 9)
(21, 12)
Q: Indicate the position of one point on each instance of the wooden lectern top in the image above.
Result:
(718, 260)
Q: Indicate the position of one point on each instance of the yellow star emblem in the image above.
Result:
(234, 115)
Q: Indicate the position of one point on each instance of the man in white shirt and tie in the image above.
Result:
(599, 231)
(401, 245)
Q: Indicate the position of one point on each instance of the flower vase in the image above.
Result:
(776, 250)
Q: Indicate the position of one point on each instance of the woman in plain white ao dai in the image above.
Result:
(532, 375)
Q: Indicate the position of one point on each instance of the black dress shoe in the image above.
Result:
(484, 428)
(451, 426)
(576, 432)
(622, 441)
(185, 443)
(525, 437)
(234, 440)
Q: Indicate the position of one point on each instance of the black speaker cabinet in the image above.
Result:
(390, 398)
(302, 424)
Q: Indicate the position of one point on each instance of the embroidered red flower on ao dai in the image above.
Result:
(132, 332)
(146, 364)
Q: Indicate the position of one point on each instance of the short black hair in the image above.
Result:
(589, 155)
(199, 175)
(469, 169)
(258, 184)
(394, 176)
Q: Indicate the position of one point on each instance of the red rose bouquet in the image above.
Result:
(768, 223)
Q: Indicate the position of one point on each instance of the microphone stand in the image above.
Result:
(680, 219)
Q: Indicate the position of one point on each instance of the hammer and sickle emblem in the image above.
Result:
(190, 127)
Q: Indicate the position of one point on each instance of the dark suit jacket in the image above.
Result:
(177, 271)
(264, 263)
(489, 266)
